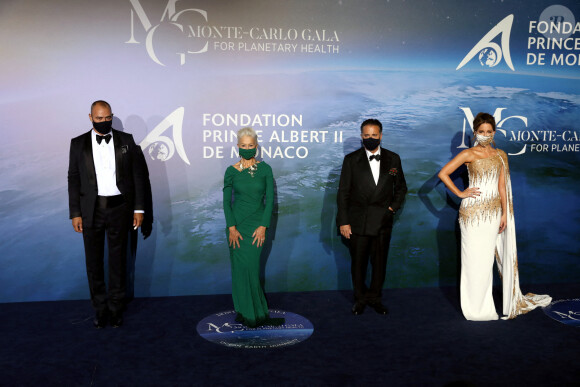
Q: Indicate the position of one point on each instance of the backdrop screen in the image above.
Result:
(183, 76)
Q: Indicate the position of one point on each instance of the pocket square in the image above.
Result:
(124, 148)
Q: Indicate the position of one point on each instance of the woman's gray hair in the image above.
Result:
(247, 132)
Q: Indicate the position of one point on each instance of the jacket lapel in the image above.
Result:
(118, 157)
(384, 168)
(89, 161)
(365, 172)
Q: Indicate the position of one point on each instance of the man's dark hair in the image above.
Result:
(483, 118)
(100, 103)
(372, 121)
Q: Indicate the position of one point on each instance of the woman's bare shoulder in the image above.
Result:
(467, 155)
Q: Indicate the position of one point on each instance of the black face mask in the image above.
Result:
(371, 143)
(103, 127)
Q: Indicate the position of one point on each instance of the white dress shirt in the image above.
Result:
(105, 168)
(104, 158)
(375, 164)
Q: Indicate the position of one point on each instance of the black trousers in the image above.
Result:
(114, 222)
(365, 248)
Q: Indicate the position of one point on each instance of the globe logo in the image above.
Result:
(158, 151)
(490, 53)
(488, 57)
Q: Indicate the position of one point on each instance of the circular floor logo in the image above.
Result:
(565, 311)
(221, 328)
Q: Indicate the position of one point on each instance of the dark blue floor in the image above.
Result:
(423, 341)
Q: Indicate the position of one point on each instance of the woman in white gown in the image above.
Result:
(486, 219)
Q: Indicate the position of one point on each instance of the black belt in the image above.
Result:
(110, 201)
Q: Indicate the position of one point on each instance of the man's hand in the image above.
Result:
(77, 223)
(346, 231)
(137, 220)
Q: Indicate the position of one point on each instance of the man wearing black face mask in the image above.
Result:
(106, 189)
(372, 188)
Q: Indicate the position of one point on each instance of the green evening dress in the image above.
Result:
(250, 208)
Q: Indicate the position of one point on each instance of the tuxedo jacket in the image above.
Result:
(82, 178)
(362, 203)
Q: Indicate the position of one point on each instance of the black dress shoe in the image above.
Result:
(100, 320)
(116, 319)
(358, 308)
(379, 308)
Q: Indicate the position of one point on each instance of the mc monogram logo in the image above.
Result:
(169, 21)
(500, 125)
(490, 53)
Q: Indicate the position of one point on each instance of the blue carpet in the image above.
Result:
(423, 341)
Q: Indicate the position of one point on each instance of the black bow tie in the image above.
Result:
(107, 138)
(376, 157)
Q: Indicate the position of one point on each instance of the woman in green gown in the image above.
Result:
(247, 218)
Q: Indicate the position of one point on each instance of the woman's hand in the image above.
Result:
(502, 223)
(234, 237)
(259, 236)
(471, 192)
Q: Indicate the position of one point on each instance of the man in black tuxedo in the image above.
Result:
(372, 188)
(106, 190)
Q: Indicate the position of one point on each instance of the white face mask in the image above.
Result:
(483, 140)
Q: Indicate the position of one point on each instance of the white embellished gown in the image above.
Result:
(479, 220)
